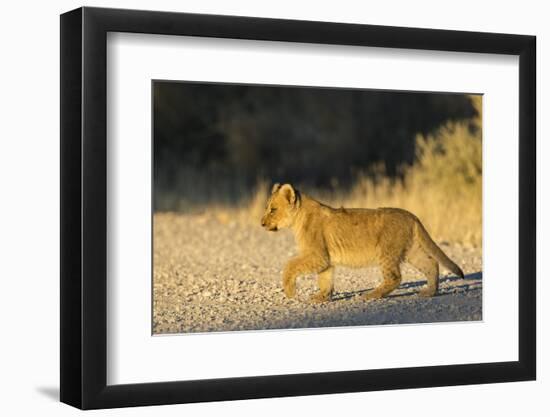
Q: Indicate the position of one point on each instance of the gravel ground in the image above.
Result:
(213, 276)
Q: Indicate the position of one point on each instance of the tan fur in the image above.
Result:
(328, 237)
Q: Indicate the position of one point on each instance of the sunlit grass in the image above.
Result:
(443, 187)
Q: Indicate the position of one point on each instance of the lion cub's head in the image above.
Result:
(281, 207)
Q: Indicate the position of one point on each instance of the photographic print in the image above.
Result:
(285, 207)
(317, 196)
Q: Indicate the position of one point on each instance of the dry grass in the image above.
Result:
(443, 187)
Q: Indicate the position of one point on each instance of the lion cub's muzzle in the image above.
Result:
(269, 227)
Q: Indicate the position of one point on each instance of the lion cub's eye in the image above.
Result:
(273, 210)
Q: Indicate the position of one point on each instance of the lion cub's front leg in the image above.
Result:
(326, 286)
(301, 265)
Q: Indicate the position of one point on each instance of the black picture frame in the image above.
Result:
(84, 207)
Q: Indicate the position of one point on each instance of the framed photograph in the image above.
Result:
(259, 208)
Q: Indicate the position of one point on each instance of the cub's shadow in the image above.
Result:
(468, 283)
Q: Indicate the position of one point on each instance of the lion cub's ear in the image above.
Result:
(275, 188)
(288, 193)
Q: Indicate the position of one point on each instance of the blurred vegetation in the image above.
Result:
(217, 147)
(220, 138)
(443, 187)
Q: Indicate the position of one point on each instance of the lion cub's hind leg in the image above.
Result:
(326, 286)
(391, 280)
(429, 267)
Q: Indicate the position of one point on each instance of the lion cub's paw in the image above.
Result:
(372, 295)
(320, 298)
(290, 291)
(427, 292)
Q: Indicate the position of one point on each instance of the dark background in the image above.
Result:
(215, 141)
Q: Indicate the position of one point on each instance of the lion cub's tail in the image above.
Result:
(431, 247)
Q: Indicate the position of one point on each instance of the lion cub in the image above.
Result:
(327, 237)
